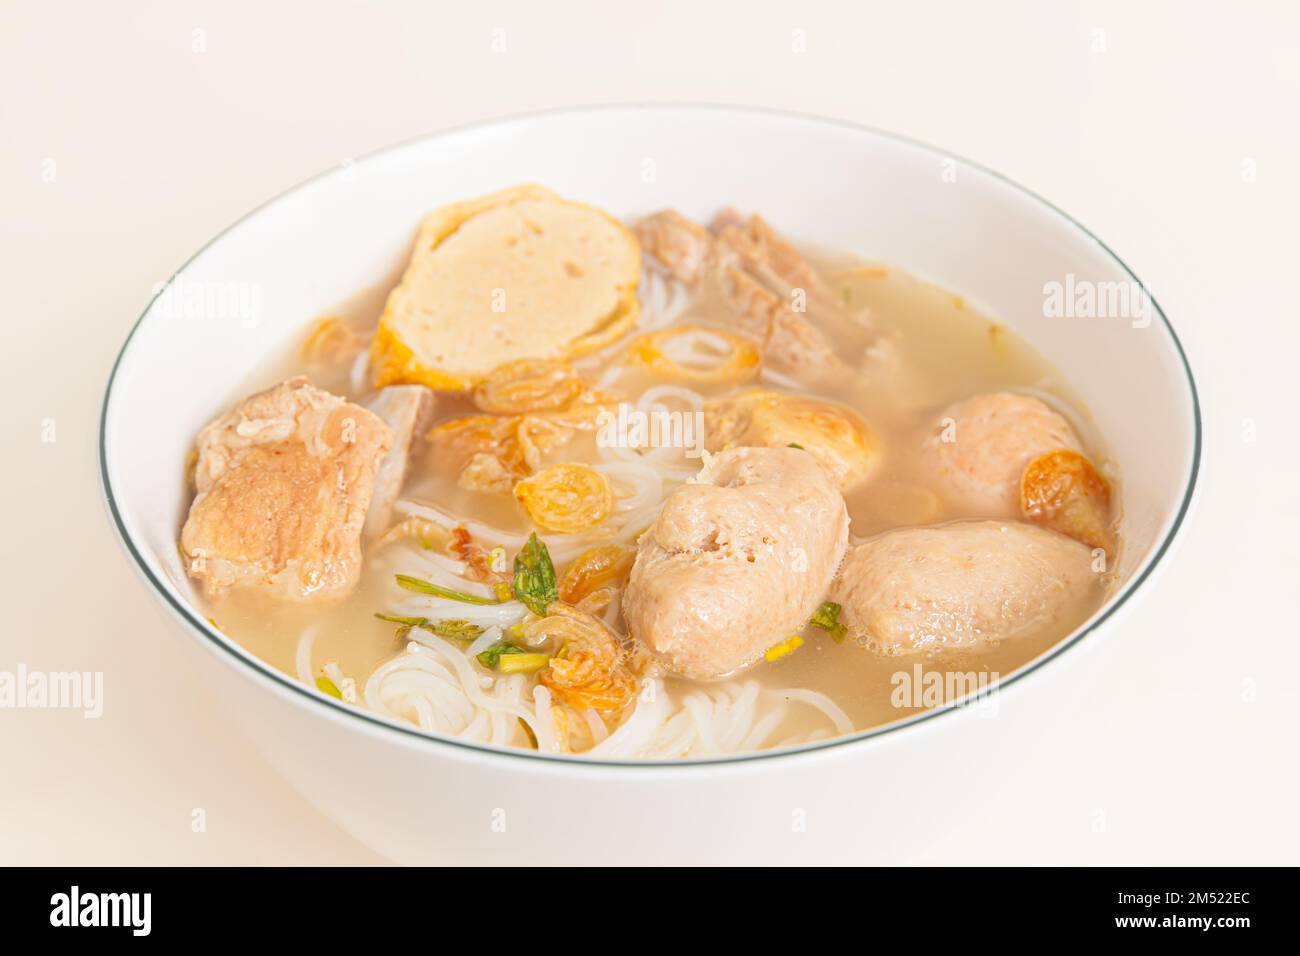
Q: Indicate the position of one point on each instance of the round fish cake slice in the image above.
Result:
(519, 274)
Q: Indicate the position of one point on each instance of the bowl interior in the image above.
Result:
(249, 292)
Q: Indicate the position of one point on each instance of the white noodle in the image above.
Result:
(646, 483)
(711, 721)
(416, 562)
(485, 640)
(302, 659)
(652, 398)
(823, 703)
(635, 733)
(698, 349)
(599, 732)
(562, 547)
(770, 377)
(434, 685)
(543, 722)
(663, 301)
(357, 374)
(410, 604)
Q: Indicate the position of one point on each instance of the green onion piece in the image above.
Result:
(326, 686)
(428, 587)
(522, 663)
(827, 618)
(492, 656)
(404, 621)
(452, 628)
(795, 444)
(455, 629)
(535, 575)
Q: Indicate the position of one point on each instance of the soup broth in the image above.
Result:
(912, 349)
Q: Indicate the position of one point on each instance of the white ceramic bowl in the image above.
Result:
(880, 795)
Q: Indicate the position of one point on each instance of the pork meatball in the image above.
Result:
(962, 585)
(738, 560)
(978, 449)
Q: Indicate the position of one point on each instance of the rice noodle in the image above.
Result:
(663, 301)
(652, 398)
(563, 547)
(770, 377)
(434, 686)
(599, 732)
(357, 373)
(410, 604)
(718, 720)
(823, 703)
(437, 569)
(634, 735)
(543, 722)
(485, 640)
(646, 483)
(698, 349)
(302, 657)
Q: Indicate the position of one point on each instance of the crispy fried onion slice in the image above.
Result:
(529, 385)
(428, 534)
(696, 353)
(330, 340)
(480, 564)
(589, 669)
(484, 447)
(596, 569)
(567, 498)
(1062, 490)
(492, 452)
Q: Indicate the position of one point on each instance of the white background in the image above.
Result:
(1172, 130)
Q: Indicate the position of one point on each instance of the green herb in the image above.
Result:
(492, 656)
(827, 617)
(437, 590)
(455, 629)
(795, 444)
(452, 628)
(407, 622)
(326, 686)
(535, 575)
(522, 663)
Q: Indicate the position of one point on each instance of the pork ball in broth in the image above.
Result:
(978, 448)
(738, 560)
(963, 585)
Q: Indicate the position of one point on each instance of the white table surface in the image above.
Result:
(132, 132)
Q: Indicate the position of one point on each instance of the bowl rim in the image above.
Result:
(417, 737)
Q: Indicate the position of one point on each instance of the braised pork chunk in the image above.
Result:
(283, 484)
